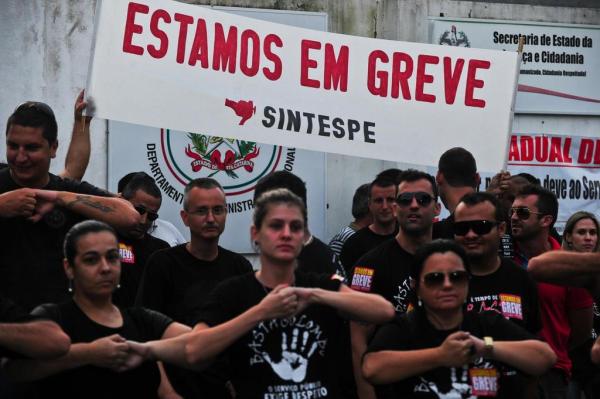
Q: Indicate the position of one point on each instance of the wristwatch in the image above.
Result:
(488, 345)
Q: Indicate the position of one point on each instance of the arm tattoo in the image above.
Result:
(87, 200)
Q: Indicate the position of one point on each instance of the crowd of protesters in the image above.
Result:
(100, 298)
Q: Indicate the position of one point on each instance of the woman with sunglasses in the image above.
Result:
(441, 351)
(581, 235)
(96, 364)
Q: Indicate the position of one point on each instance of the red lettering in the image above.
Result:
(275, 73)
(335, 73)
(541, 148)
(159, 34)
(377, 81)
(597, 154)
(225, 50)
(423, 77)
(513, 153)
(526, 148)
(586, 151)
(567, 151)
(184, 21)
(400, 77)
(451, 79)
(307, 63)
(555, 150)
(132, 28)
(249, 37)
(199, 51)
(474, 83)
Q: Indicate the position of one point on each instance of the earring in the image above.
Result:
(419, 303)
(70, 289)
(118, 285)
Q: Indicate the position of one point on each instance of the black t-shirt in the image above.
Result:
(278, 358)
(178, 284)
(359, 244)
(317, 257)
(385, 270)
(134, 255)
(413, 331)
(139, 324)
(509, 291)
(31, 257)
(11, 313)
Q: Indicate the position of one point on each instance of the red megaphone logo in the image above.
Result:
(243, 109)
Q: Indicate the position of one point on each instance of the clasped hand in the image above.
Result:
(461, 348)
(116, 353)
(285, 301)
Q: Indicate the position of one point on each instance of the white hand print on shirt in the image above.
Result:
(294, 356)
(460, 389)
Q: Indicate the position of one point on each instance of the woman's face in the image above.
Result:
(281, 234)
(584, 237)
(97, 267)
(444, 282)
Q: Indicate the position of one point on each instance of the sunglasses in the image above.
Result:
(142, 210)
(437, 279)
(522, 212)
(405, 199)
(479, 227)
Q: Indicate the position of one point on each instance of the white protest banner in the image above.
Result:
(175, 158)
(164, 63)
(567, 165)
(560, 70)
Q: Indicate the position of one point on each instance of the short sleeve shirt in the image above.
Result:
(139, 324)
(479, 379)
(293, 356)
(31, 257)
(385, 270)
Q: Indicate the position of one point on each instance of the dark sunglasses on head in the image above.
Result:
(405, 199)
(479, 227)
(522, 212)
(152, 216)
(436, 279)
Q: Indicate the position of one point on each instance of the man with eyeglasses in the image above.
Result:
(497, 283)
(37, 209)
(178, 280)
(157, 227)
(135, 244)
(382, 207)
(385, 270)
(566, 312)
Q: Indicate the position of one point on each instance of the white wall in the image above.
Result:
(46, 44)
(45, 47)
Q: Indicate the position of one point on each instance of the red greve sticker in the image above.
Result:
(511, 306)
(484, 382)
(126, 253)
(362, 279)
